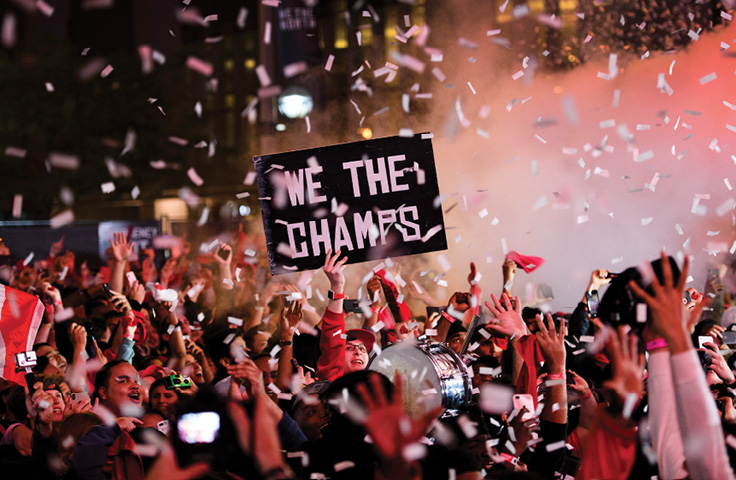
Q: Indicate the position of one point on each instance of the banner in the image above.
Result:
(371, 199)
(20, 317)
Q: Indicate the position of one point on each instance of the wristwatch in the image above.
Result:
(335, 296)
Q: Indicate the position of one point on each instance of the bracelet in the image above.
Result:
(585, 397)
(447, 317)
(285, 343)
(58, 302)
(335, 296)
(656, 343)
(556, 376)
(509, 458)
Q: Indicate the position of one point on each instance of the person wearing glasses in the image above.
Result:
(341, 351)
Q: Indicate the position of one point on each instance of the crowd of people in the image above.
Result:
(208, 367)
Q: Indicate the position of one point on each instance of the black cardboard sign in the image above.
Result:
(371, 199)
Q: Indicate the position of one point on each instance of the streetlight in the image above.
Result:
(295, 102)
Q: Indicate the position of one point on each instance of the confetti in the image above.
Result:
(17, 205)
(64, 218)
(708, 78)
(194, 177)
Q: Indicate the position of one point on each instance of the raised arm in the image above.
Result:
(331, 362)
(702, 436)
(121, 250)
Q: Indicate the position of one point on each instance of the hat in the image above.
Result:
(455, 328)
(365, 336)
(529, 264)
(316, 388)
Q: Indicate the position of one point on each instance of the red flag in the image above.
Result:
(20, 317)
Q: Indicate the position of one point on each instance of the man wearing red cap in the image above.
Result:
(341, 352)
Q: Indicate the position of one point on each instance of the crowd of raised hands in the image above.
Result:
(203, 365)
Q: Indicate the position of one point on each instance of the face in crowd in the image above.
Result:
(163, 400)
(356, 356)
(57, 363)
(123, 387)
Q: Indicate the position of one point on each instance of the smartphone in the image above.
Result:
(79, 398)
(432, 310)
(90, 347)
(524, 400)
(729, 338)
(351, 306)
(199, 427)
(592, 300)
(164, 427)
(107, 289)
(703, 339)
(172, 382)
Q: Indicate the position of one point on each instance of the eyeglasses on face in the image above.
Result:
(352, 347)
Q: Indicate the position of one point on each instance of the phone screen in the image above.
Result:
(592, 301)
(199, 427)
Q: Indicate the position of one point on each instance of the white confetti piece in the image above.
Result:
(15, 152)
(242, 17)
(17, 205)
(106, 71)
(65, 161)
(708, 78)
(108, 187)
(63, 218)
(263, 76)
(135, 192)
(44, 8)
(194, 177)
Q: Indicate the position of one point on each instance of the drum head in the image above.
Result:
(422, 389)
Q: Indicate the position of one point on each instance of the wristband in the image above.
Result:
(510, 458)
(556, 376)
(335, 296)
(58, 302)
(656, 343)
(585, 397)
(447, 317)
(285, 343)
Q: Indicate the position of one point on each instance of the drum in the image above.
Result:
(432, 376)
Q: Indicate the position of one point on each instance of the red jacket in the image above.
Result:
(331, 362)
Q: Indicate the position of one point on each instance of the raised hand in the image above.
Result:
(580, 386)
(56, 247)
(598, 278)
(290, 318)
(508, 319)
(333, 268)
(120, 302)
(552, 343)
(628, 365)
(121, 249)
(668, 317)
(227, 256)
(387, 422)
(137, 292)
(78, 337)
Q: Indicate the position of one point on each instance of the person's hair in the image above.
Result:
(102, 378)
(50, 381)
(14, 405)
(340, 424)
(156, 384)
(218, 349)
(75, 426)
